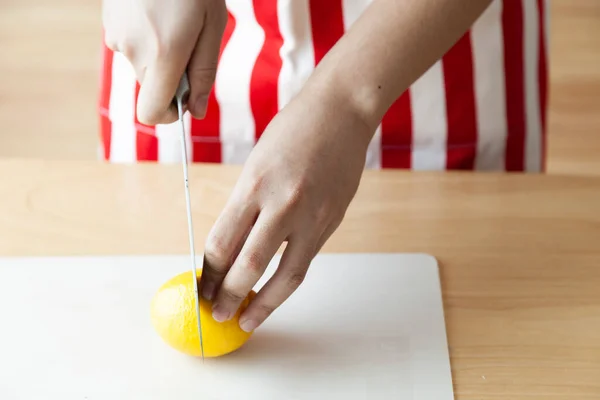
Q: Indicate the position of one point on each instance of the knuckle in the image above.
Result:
(231, 297)
(216, 251)
(294, 195)
(111, 42)
(119, 41)
(295, 280)
(322, 214)
(253, 263)
(162, 45)
(203, 77)
(255, 183)
(265, 310)
(127, 49)
(164, 49)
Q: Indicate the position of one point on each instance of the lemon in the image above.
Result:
(173, 314)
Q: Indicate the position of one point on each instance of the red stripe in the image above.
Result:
(146, 142)
(396, 134)
(514, 65)
(265, 75)
(105, 88)
(327, 22)
(206, 146)
(460, 105)
(543, 78)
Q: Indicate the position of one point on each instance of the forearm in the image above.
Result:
(389, 47)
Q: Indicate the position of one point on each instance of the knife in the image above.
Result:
(180, 97)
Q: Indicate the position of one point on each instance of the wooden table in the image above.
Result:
(520, 255)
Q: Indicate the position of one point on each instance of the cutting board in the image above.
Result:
(362, 326)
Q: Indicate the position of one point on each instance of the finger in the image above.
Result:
(157, 90)
(289, 276)
(140, 72)
(224, 242)
(263, 242)
(202, 68)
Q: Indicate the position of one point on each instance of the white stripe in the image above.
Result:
(373, 160)
(352, 10)
(430, 127)
(121, 111)
(169, 149)
(232, 84)
(533, 156)
(169, 146)
(490, 90)
(297, 53)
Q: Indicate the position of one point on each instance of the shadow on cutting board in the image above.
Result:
(315, 356)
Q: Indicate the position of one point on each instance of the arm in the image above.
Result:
(304, 171)
(388, 48)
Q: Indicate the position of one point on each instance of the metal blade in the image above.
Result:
(182, 91)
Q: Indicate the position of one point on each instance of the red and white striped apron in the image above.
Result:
(482, 106)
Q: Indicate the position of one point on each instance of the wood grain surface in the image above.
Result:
(574, 115)
(519, 254)
(50, 62)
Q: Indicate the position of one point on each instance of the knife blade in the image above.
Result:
(180, 95)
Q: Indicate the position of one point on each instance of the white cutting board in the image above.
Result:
(362, 326)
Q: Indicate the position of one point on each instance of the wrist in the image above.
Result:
(343, 78)
(327, 91)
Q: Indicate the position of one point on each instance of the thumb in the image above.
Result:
(202, 69)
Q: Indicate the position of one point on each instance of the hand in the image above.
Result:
(295, 188)
(161, 39)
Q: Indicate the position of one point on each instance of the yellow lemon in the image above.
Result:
(173, 314)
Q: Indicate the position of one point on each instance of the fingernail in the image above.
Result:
(248, 325)
(199, 109)
(208, 290)
(220, 314)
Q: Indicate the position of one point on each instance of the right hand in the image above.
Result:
(163, 39)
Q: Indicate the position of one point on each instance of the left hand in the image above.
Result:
(295, 188)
